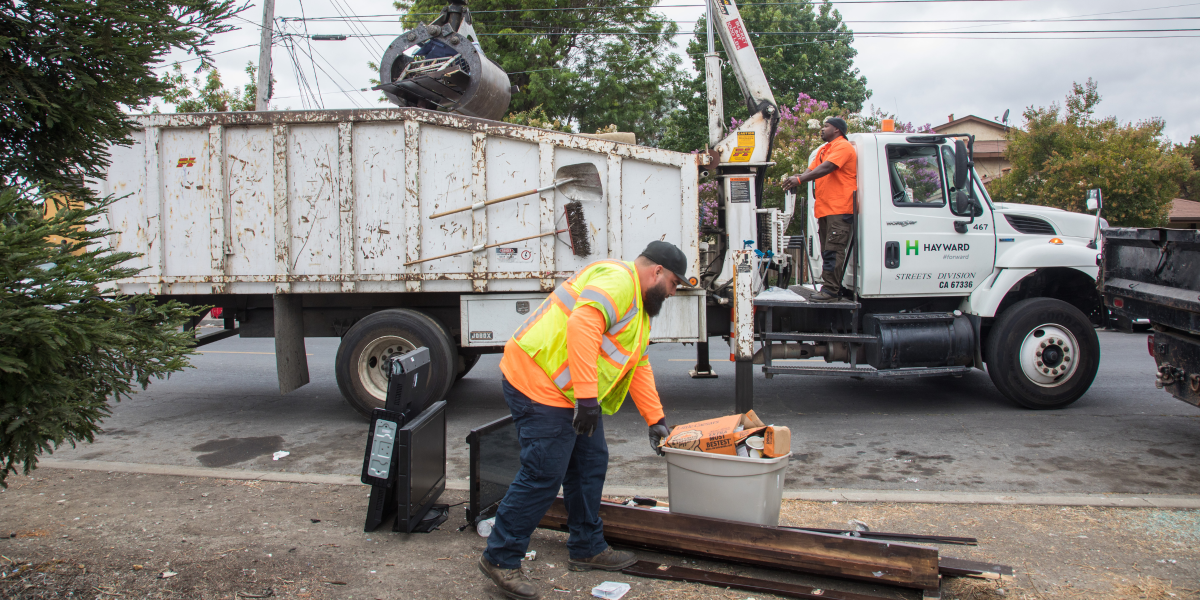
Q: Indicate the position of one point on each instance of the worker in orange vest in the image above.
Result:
(577, 356)
(835, 171)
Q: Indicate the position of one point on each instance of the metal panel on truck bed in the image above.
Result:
(338, 201)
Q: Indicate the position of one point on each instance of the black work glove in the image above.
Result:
(587, 416)
(658, 431)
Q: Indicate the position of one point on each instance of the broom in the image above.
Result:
(576, 230)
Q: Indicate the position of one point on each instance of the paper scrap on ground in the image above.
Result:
(280, 454)
(611, 590)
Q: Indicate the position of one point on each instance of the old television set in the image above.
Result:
(405, 461)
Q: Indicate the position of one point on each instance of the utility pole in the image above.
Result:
(264, 56)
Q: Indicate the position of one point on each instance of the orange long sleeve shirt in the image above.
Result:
(585, 329)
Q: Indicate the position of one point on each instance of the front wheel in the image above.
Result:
(361, 363)
(1042, 353)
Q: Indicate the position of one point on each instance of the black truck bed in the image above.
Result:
(1155, 274)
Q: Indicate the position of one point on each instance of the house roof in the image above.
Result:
(971, 119)
(1185, 210)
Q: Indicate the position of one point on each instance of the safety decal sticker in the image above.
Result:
(738, 34)
(516, 255)
(745, 147)
(186, 162)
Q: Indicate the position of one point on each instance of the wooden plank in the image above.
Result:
(652, 570)
(836, 556)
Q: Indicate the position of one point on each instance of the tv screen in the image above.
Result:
(495, 460)
(421, 449)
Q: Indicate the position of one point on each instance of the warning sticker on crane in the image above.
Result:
(738, 34)
(745, 147)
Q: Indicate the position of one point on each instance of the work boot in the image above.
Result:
(609, 560)
(823, 296)
(512, 582)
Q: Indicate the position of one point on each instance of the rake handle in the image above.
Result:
(500, 199)
(528, 237)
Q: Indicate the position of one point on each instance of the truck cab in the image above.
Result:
(914, 241)
(940, 280)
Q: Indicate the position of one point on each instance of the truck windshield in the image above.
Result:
(916, 175)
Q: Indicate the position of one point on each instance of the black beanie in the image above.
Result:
(837, 122)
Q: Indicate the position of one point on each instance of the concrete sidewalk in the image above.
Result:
(101, 534)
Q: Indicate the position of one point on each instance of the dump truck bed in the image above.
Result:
(338, 201)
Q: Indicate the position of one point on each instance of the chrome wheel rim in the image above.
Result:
(372, 363)
(1049, 355)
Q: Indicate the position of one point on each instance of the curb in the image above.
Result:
(829, 495)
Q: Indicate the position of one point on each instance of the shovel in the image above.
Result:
(582, 177)
(576, 228)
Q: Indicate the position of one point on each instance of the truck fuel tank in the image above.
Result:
(919, 340)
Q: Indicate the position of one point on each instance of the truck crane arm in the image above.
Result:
(742, 58)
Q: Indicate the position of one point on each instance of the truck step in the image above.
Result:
(797, 296)
(821, 337)
(866, 371)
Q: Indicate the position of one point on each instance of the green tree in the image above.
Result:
(193, 95)
(1189, 186)
(805, 50)
(589, 64)
(69, 70)
(65, 349)
(1064, 151)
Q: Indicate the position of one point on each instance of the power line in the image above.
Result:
(839, 33)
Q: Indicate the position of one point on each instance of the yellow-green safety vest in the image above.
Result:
(613, 288)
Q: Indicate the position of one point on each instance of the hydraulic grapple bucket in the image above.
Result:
(441, 65)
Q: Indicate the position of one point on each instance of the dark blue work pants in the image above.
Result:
(552, 455)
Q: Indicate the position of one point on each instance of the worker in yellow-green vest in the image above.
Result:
(577, 356)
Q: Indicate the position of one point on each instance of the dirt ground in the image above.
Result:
(78, 534)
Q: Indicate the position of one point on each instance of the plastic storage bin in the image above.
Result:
(725, 487)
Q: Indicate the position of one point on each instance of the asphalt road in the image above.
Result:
(1123, 436)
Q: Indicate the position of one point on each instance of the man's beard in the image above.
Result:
(653, 298)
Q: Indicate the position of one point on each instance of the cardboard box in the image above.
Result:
(721, 435)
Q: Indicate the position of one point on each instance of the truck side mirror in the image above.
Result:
(962, 203)
(962, 165)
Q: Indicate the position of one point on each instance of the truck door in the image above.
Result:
(923, 254)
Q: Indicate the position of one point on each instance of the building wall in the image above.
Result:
(981, 131)
(991, 168)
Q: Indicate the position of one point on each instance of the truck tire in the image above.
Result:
(1042, 353)
(362, 356)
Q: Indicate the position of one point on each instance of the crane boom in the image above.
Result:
(742, 58)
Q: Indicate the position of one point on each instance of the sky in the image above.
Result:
(954, 67)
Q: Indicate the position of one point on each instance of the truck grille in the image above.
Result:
(1030, 225)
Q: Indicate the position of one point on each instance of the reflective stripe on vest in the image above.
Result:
(619, 343)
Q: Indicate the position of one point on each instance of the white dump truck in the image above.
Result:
(414, 226)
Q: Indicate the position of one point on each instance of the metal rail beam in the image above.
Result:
(830, 555)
